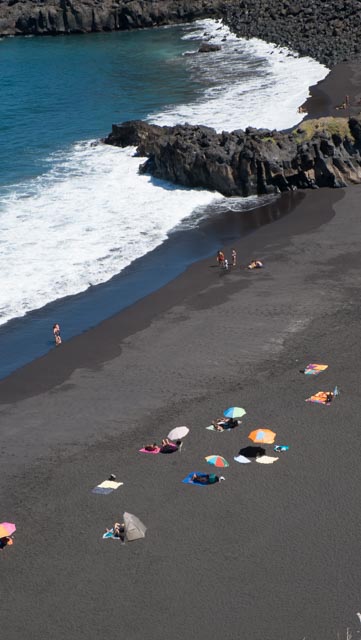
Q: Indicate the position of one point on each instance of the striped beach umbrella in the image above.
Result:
(217, 461)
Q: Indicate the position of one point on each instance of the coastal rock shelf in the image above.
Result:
(318, 153)
(42, 17)
(328, 31)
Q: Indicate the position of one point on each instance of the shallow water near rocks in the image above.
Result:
(74, 214)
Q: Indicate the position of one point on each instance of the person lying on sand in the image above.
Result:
(207, 478)
(4, 542)
(255, 264)
(329, 396)
(218, 425)
(224, 423)
(151, 447)
(118, 530)
(170, 447)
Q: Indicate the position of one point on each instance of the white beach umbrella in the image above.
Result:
(178, 433)
(134, 528)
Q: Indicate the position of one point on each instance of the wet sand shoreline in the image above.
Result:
(272, 552)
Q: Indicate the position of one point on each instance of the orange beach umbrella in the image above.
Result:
(264, 436)
(6, 529)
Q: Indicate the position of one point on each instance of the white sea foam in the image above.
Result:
(237, 98)
(82, 223)
(93, 214)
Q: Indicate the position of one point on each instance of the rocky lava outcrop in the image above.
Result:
(52, 17)
(317, 154)
(328, 30)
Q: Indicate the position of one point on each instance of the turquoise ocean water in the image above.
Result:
(75, 216)
(57, 91)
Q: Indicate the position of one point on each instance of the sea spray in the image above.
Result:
(91, 214)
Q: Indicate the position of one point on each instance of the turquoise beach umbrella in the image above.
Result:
(234, 412)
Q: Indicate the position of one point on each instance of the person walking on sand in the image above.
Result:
(58, 340)
(57, 336)
(220, 258)
(234, 258)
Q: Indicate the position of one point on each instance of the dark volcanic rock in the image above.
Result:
(329, 31)
(207, 47)
(247, 162)
(44, 17)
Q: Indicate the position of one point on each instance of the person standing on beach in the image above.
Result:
(56, 332)
(234, 258)
(220, 258)
(58, 340)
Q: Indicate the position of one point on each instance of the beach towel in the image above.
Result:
(241, 459)
(156, 450)
(109, 535)
(315, 369)
(280, 447)
(319, 398)
(107, 487)
(266, 460)
(188, 479)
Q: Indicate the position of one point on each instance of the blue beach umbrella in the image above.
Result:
(234, 412)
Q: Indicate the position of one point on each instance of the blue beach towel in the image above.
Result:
(110, 534)
(188, 479)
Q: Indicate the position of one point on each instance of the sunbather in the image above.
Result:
(329, 396)
(118, 530)
(4, 542)
(207, 478)
(151, 447)
(224, 423)
(219, 424)
(255, 264)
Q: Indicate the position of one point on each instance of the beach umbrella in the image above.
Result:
(6, 529)
(218, 461)
(264, 436)
(178, 433)
(133, 527)
(252, 452)
(234, 412)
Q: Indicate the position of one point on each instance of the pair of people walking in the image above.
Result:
(57, 336)
(222, 260)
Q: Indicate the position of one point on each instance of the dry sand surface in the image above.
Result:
(272, 553)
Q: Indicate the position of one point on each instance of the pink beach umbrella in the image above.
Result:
(6, 529)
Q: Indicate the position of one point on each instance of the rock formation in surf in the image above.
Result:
(318, 153)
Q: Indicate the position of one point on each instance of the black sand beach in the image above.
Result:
(270, 553)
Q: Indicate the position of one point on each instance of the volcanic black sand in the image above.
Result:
(272, 553)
